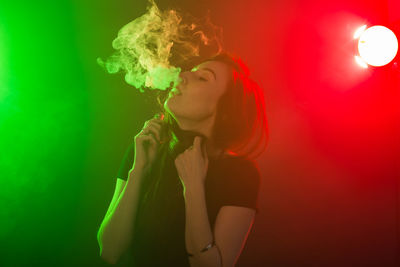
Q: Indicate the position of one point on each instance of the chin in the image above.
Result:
(175, 109)
(170, 107)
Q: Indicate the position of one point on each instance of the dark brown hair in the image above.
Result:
(241, 124)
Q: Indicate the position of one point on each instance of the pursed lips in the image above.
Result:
(176, 91)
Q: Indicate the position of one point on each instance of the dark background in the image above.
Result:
(328, 196)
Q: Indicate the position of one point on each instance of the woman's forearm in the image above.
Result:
(198, 233)
(115, 233)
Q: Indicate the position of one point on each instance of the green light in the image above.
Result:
(3, 66)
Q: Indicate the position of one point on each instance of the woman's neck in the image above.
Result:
(184, 138)
(214, 152)
(203, 127)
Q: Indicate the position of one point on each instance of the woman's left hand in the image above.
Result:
(192, 164)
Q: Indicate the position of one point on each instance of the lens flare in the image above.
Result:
(146, 45)
(361, 62)
(359, 31)
(377, 46)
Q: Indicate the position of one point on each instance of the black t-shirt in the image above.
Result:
(159, 232)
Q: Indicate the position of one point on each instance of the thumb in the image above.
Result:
(197, 143)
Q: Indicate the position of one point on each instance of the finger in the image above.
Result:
(157, 125)
(149, 138)
(197, 143)
(150, 129)
(200, 146)
(156, 122)
(153, 126)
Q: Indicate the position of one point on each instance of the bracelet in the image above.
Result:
(209, 246)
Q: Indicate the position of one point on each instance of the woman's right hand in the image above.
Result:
(147, 142)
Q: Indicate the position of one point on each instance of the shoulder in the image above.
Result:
(240, 161)
(238, 181)
(240, 169)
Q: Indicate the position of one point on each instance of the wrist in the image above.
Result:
(136, 173)
(194, 189)
(140, 167)
(138, 164)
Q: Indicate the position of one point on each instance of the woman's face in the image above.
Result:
(200, 91)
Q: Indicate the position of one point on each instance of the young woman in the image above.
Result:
(187, 189)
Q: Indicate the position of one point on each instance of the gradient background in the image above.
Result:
(328, 196)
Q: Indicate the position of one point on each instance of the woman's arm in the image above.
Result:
(231, 229)
(115, 232)
(198, 232)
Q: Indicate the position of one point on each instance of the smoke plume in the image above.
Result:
(154, 48)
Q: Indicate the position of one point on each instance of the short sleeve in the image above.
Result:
(242, 184)
(127, 162)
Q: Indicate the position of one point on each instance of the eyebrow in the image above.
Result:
(210, 70)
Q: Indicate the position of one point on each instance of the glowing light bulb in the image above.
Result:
(377, 45)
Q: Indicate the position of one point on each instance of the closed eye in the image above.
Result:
(196, 69)
(200, 77)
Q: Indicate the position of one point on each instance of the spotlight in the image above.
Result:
(377, 46)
